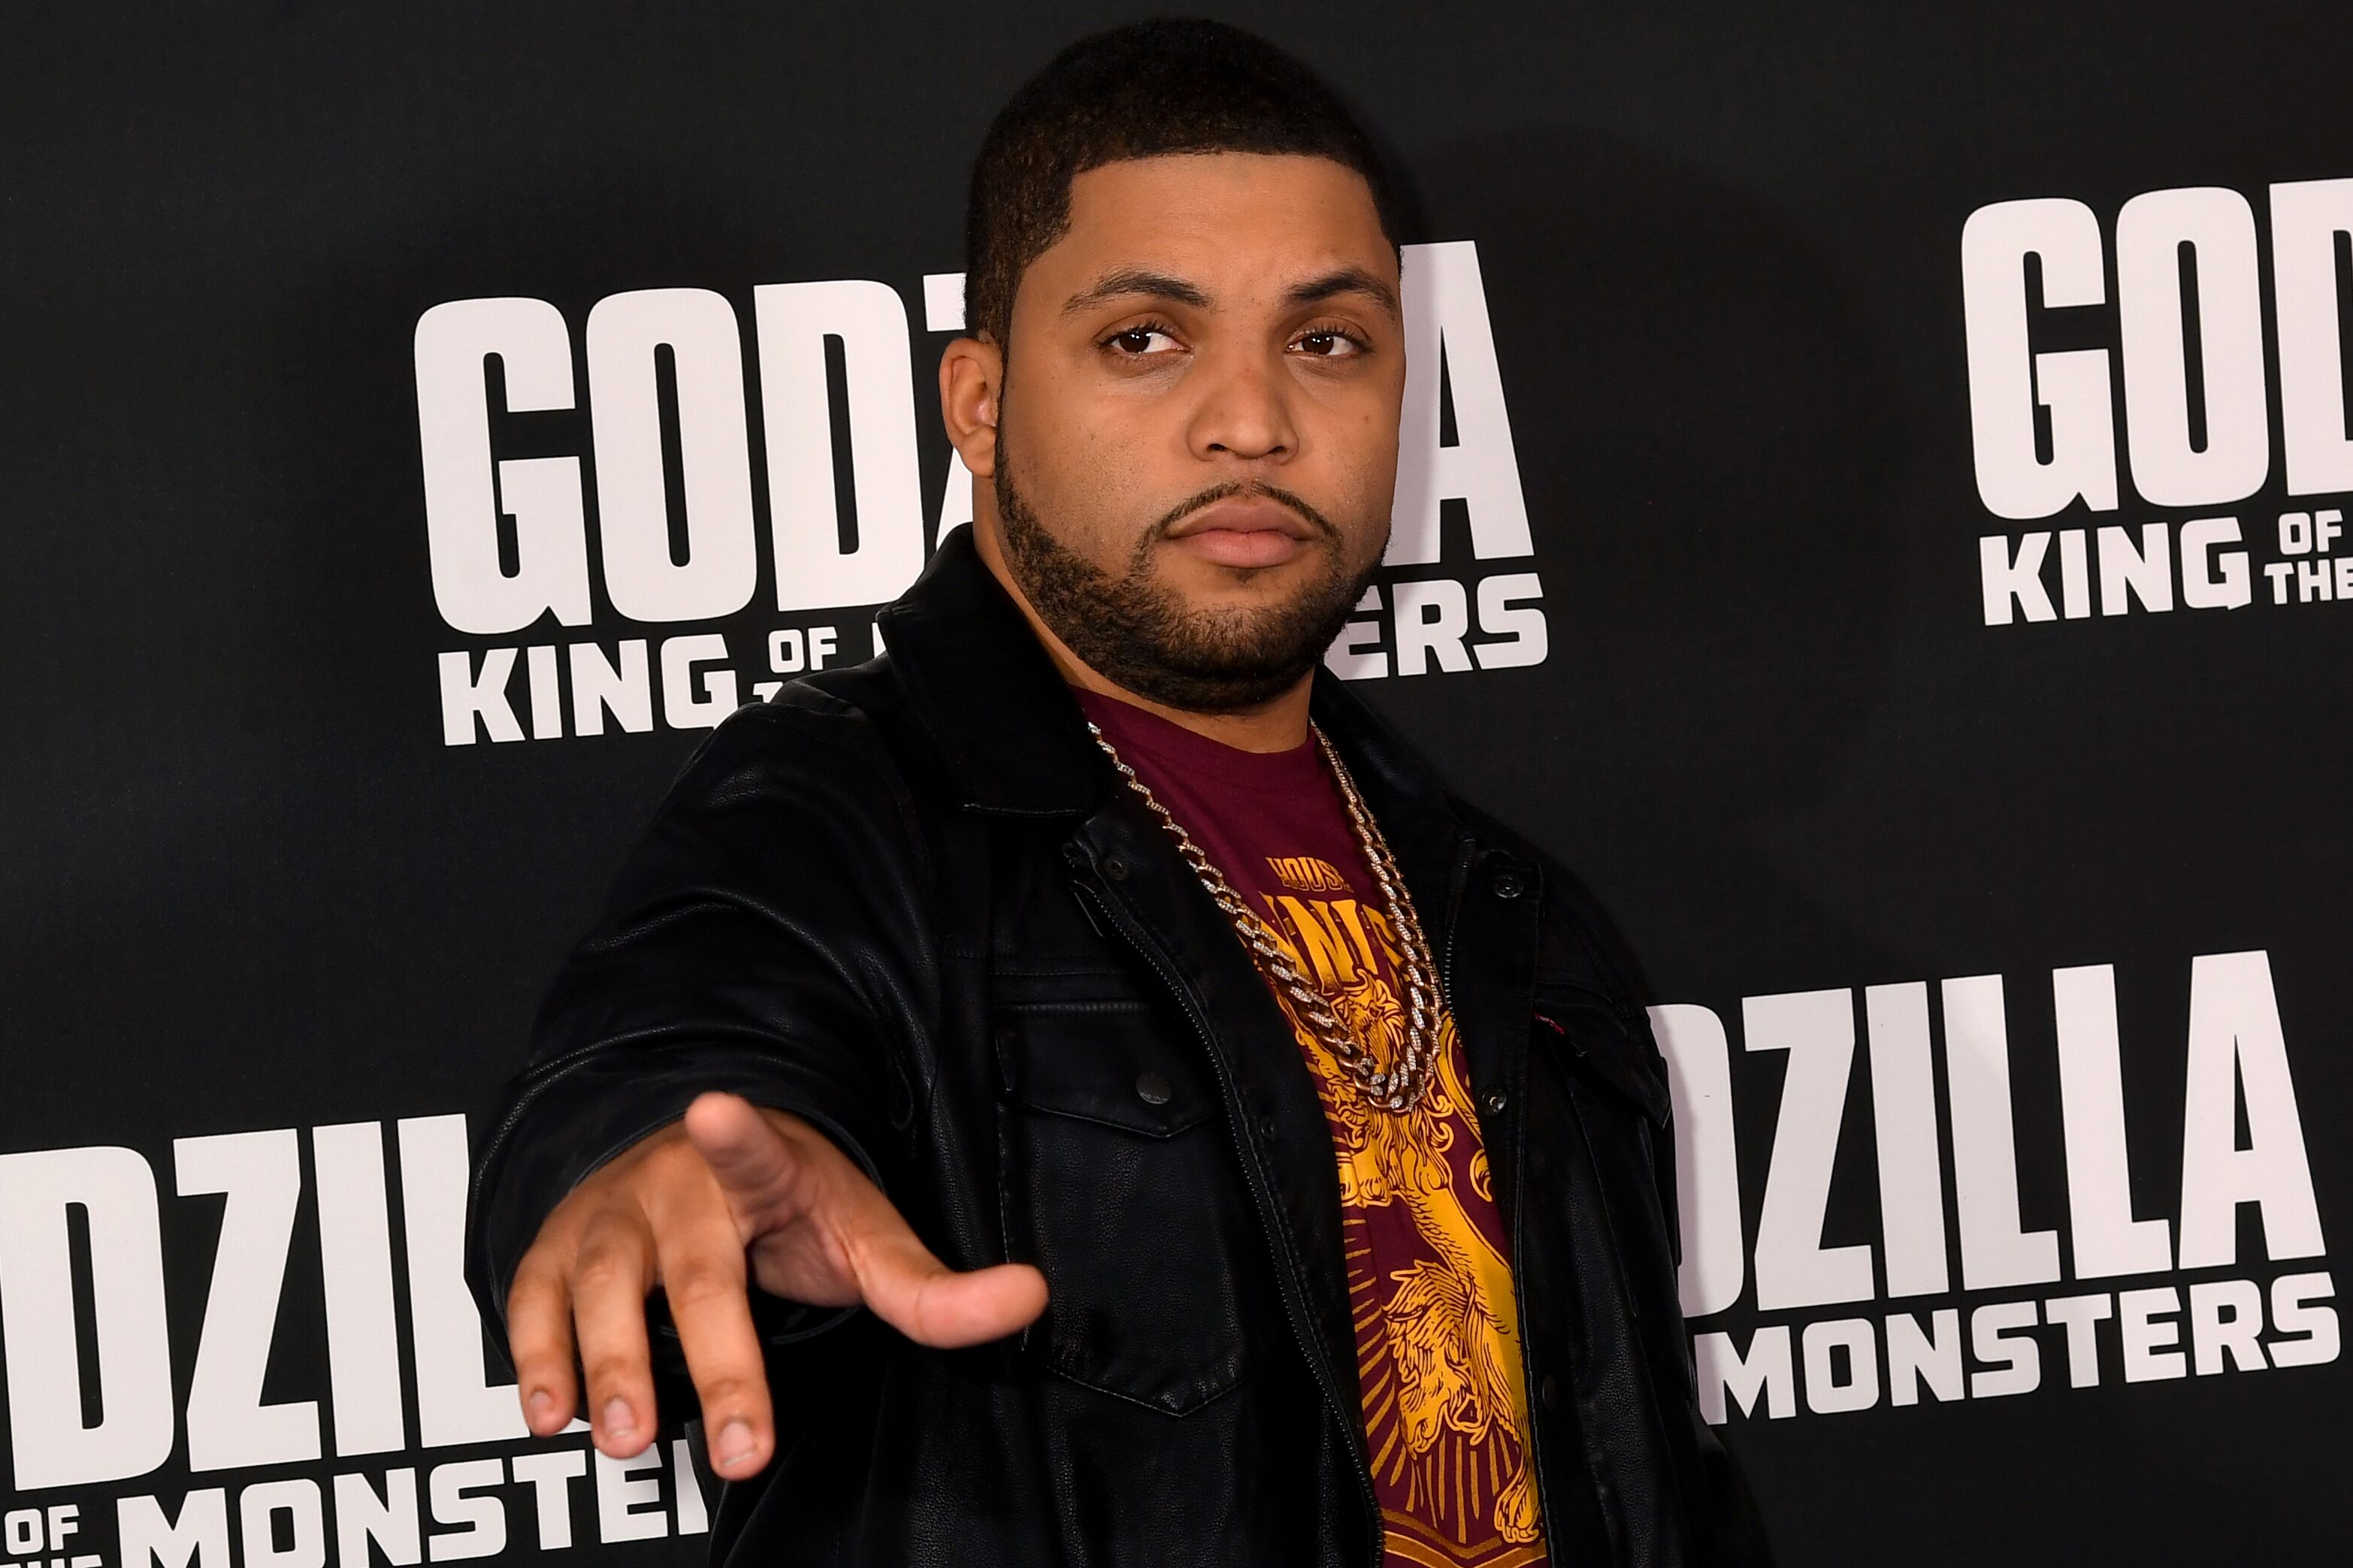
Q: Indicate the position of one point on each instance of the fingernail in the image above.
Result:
(541, 1404)
(735, 1442)
(619, 1422)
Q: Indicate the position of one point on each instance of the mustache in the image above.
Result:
(1322, 525)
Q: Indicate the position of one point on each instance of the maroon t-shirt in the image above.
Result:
(1438, 1336)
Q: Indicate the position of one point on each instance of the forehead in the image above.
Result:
(1264, 217)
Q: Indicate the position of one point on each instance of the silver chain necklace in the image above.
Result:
(1395, 1088)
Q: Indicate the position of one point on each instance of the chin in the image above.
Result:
(1237, 608)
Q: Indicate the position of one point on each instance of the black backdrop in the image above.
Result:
(253, 890)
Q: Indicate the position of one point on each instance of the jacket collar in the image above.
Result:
(1016, 743)
(985, 692)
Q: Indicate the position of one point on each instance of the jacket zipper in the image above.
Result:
(1463, 858)
(1528, 1379)
(1294, 1309)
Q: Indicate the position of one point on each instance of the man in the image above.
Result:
(1082, 1089)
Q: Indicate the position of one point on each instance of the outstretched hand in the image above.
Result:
(732, 1192)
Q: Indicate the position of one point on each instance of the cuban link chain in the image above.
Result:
(1398, 1088)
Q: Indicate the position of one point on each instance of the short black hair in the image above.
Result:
(1142, 91)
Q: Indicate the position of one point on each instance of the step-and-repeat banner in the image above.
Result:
(1875, 502)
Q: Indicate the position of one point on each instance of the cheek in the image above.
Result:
(1071, 476)
(1356, 442)
(1362, 486)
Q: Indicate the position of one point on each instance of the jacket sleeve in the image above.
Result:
(767, 937)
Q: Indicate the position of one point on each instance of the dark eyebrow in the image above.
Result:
(1343, 280)
(1140, 280)
(1128, 280)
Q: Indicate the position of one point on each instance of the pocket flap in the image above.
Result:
(1624, 1060)
(1110, 1063)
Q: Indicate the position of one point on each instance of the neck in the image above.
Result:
(1277, 724)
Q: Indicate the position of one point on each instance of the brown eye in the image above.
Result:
(1136, 343)
(1328, 345)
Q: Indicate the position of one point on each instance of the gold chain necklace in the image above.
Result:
(1395, 1088)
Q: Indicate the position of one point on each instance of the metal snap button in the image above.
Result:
(1548, 1390)
(1496, 1100)
(1152, 1089)
(1114, 867)
(1266, 1127)
(1508, 885)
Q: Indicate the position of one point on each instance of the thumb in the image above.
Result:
(768, 1181)
(932, 1304)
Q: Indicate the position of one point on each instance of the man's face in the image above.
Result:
(1198, 423)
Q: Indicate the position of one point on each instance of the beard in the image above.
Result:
(1140, 634)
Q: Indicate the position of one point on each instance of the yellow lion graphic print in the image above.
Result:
(1438, 1341)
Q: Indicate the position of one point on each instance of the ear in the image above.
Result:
(972, 377)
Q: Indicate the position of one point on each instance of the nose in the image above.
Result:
(1242, 409)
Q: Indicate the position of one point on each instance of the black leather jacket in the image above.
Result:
(911, 902)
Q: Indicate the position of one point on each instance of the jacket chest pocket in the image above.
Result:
(1120, 1184)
